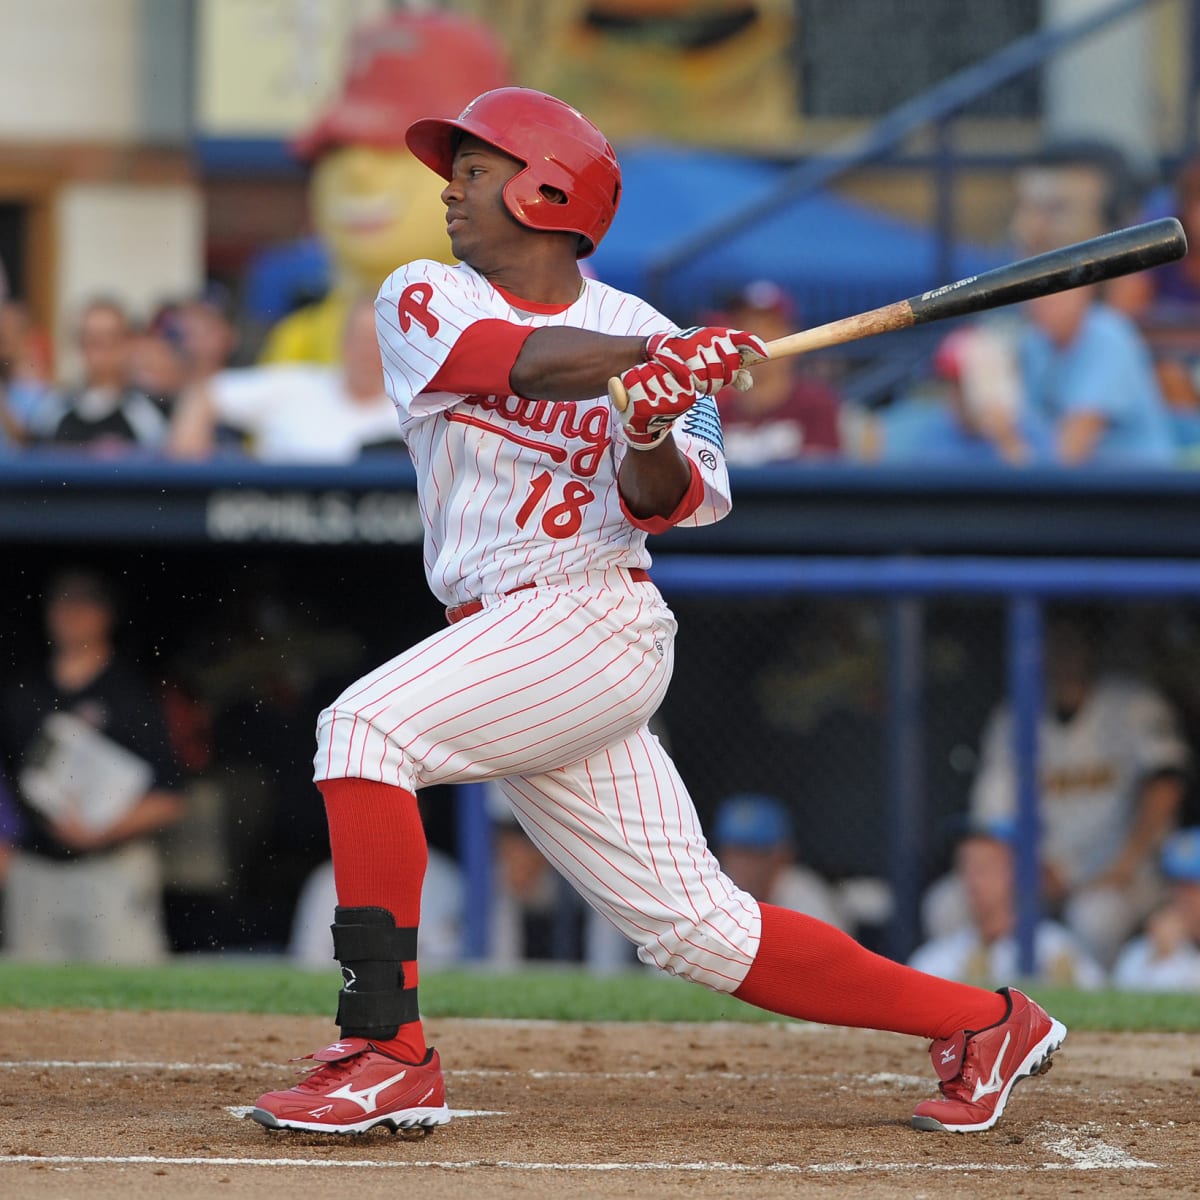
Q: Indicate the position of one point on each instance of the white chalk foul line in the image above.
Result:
(591, 1167)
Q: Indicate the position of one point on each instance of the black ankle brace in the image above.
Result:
(370, 949)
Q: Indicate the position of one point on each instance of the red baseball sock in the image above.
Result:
(805, 968)
(379, 860)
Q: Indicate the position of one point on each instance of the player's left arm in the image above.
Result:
(655, 484)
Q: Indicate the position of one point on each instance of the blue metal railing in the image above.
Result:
(937, 107)
(1022, 584)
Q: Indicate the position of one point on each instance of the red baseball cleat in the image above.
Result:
(978, 1069)
(356, 1087)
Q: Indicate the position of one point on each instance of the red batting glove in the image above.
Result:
(658, 394)
(712, 354)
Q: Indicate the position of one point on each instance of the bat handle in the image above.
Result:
(742, 380)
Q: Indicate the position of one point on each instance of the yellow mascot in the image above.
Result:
(373, 205)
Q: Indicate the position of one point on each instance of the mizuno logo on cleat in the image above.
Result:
(323, 1111)
(995, 1082)
(948, 1055)
(366, 1098)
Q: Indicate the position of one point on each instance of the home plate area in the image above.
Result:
(117, 1101)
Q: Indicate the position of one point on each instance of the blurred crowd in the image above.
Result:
(178, 385)
(1107, 374)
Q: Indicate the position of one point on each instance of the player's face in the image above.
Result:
(482, 231)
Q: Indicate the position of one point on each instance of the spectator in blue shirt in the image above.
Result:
(1087, 375)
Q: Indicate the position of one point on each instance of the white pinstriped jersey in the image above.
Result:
(516, 491)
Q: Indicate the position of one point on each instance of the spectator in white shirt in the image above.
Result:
(295, 412)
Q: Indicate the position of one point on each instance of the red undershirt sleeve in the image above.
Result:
(684, 509)
(482, 359)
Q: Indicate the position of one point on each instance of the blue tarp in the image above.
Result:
(834, 256)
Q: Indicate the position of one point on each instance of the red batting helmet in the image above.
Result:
(560, 147)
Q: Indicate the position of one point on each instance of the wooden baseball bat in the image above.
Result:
(1105, 257)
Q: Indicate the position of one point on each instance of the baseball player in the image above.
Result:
(537, 499)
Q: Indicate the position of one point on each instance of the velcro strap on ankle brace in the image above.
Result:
(376, 1014)
(374, 943)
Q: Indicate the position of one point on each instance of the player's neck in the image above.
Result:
(542, 278)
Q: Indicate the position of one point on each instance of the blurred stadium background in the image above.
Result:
(145, 151)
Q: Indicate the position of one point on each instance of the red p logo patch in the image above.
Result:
(413, 305)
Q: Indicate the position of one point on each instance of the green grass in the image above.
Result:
(549, 994)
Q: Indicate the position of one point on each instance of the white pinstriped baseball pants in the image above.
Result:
(549, 690)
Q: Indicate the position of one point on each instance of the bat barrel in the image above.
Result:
(1106, 257)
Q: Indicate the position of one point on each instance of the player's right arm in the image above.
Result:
(441, 339)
